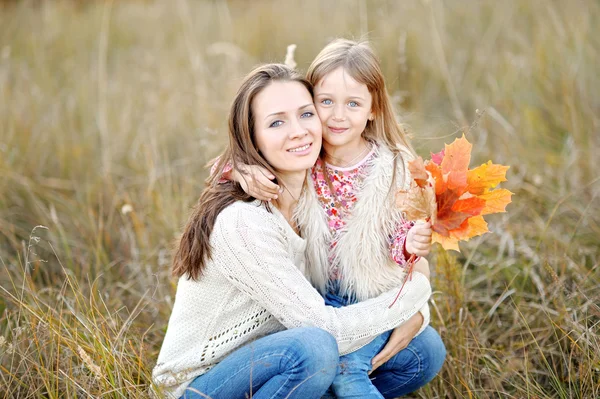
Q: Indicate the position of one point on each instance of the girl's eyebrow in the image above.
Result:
(349, 98)
(283, 113)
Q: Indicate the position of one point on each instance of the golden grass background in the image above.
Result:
(109, 111)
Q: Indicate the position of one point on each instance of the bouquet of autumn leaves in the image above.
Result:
(453, 197)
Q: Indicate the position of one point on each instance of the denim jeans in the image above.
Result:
(298, 363)
(407, 371)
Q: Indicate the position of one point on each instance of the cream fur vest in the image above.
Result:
(362, 251)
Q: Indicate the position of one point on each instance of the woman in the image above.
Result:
(241, 262)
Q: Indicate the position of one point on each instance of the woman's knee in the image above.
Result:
(317, 349)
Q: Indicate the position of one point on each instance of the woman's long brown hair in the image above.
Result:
(194, 250)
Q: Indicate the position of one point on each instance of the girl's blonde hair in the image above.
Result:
(359, 60)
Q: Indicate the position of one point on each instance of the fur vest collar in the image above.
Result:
(362, 250)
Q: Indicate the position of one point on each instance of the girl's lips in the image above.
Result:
(337, 129)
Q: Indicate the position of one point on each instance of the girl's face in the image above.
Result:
(344, 107)
(286, 127)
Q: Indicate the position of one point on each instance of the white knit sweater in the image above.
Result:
(253, 286)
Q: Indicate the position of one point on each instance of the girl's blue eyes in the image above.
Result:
(278, 122)
(352, 104)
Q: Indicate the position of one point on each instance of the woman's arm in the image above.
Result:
(250, 248)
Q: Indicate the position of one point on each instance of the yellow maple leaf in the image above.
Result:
(485, 177)
(446, 242)
(472, 227)
(495, 200)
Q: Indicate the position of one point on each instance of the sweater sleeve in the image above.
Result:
(251, 250)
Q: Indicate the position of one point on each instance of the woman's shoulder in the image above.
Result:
(245, 209)
(252, 223)
(252, 215)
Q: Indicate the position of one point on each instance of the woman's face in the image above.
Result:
(286, 126)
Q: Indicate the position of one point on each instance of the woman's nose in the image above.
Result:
(298, 130)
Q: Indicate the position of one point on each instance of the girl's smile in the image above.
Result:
(344, 107)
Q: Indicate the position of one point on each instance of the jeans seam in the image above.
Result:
(419, 371)
(245, 367)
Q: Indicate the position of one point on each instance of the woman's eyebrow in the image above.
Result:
(275, 114)
(283, 113)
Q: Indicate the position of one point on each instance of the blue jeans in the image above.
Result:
(298, 363)
(407, 371)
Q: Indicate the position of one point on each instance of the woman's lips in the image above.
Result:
(302, 150)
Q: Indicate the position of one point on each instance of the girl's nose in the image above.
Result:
(338, 113)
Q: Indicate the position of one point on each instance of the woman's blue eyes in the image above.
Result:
(326, 102)
(278, 122)
(353, 104)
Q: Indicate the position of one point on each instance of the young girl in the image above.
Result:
(246, 322)
(358, 242)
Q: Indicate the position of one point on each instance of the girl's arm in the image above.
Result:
(250, 248)
(397, 243)
(400, 255)
(254, 180)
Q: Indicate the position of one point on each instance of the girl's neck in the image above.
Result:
(292, 188)
(346, 155)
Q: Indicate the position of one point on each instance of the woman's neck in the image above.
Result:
(346, 155)
(292, 188)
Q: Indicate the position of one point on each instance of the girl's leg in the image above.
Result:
(352, 380)
(412, 367)
(296, 363)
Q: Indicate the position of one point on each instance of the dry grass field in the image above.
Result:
(110, 110)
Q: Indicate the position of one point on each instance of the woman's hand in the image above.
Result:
(418, 239)
(400, 338)
(256, 181)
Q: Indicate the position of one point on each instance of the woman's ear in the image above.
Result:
(371, 116)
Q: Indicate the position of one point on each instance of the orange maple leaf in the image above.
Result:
(457, 156)
(448, 219)
(436, 173)
(473, 205)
